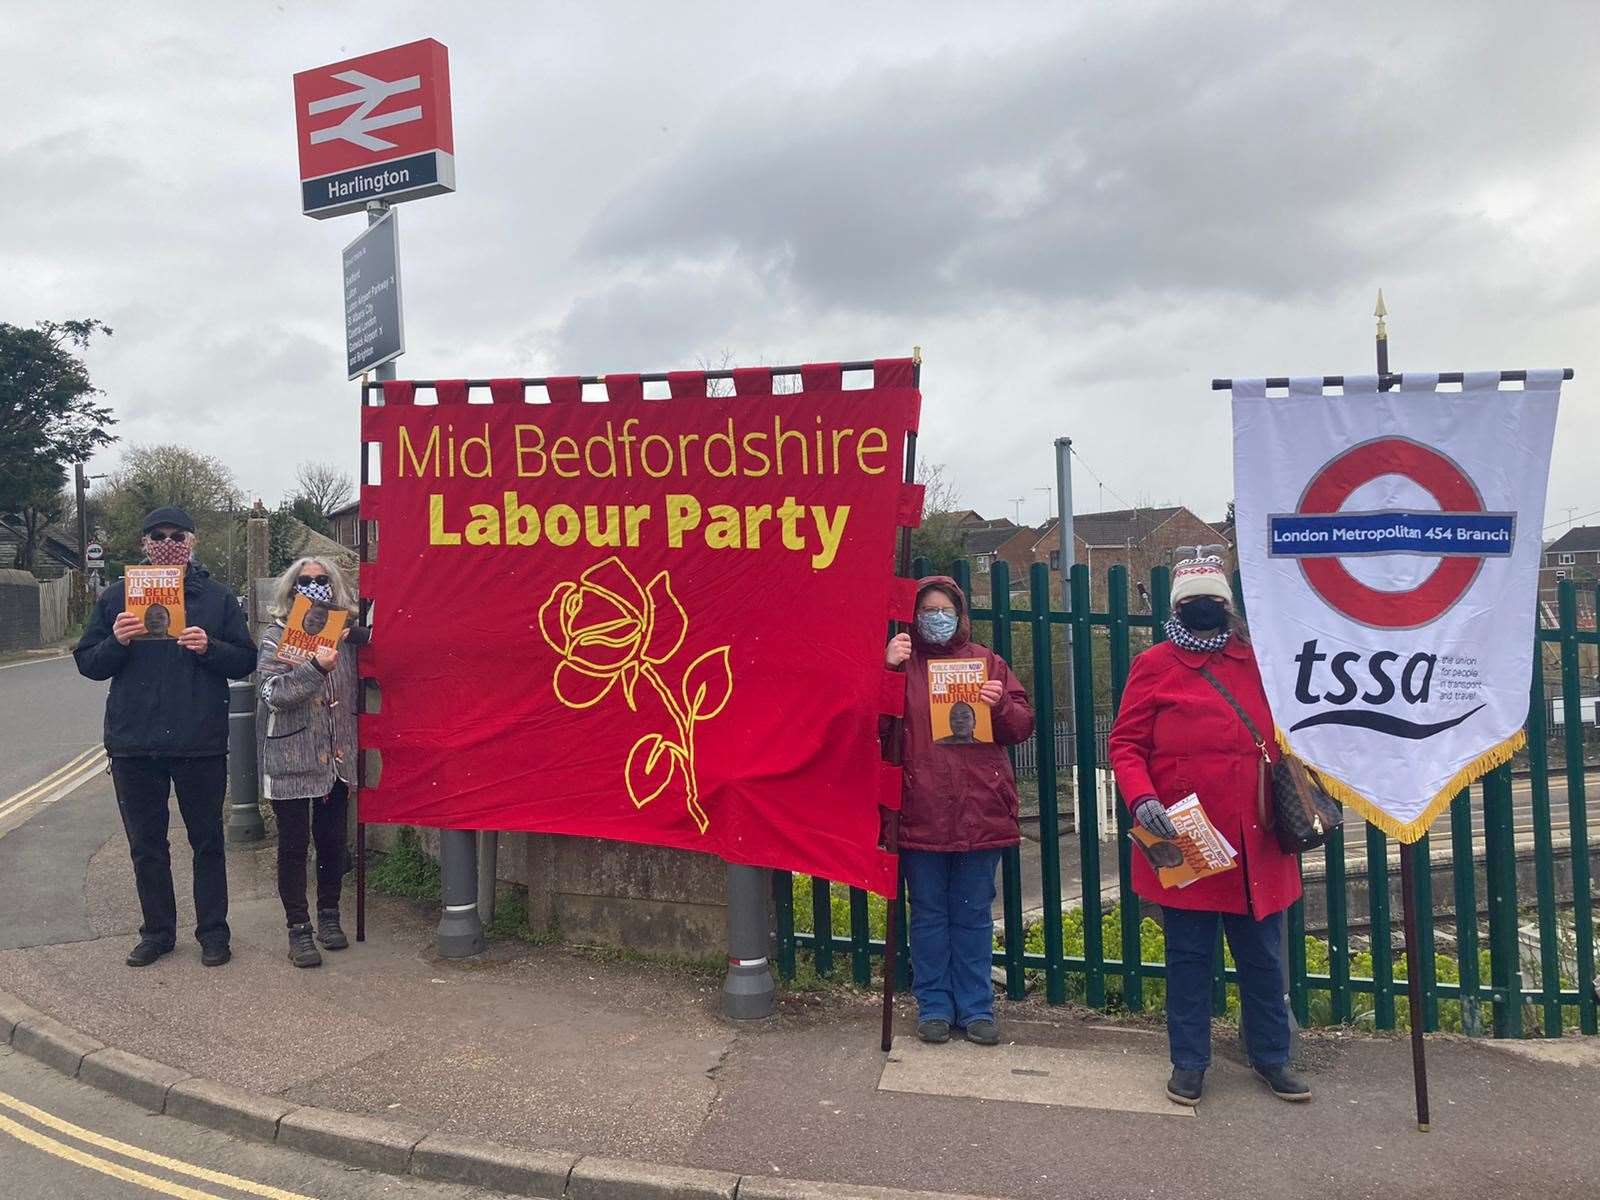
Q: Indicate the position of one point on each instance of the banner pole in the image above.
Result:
(891, 931)
(1419, 1059)
(1408, 891)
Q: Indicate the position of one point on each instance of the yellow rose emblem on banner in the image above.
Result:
(608, 630)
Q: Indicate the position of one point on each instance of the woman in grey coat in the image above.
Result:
(307, 746)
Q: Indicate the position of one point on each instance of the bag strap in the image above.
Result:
(1255, 736)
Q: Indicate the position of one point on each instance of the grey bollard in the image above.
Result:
(244, 823)
(460, 931)
(748, 992)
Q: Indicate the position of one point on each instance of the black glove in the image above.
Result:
(1152, 814)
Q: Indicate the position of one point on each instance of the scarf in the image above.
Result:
(1179, 634)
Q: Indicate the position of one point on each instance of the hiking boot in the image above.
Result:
(984, 1032)
(146, 952)
(1284, 1085)
(1184, 1087)
(934, 1031)
(328, 932)
(302, 949)
(215, 956)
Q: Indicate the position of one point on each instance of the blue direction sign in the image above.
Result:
(373, 330)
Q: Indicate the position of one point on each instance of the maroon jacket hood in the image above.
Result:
(959, 797)
(963, 634)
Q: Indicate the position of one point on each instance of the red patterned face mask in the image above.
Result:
(169, 553)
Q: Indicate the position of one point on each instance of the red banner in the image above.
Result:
(654, 621)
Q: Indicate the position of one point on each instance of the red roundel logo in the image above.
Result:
(1458, 533)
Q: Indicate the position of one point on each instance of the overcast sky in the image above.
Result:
(1081, 212)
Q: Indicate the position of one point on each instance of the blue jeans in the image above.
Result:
(1258, 953)
(952, 932)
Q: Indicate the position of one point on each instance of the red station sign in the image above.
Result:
(375, 127)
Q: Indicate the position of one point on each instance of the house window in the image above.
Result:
(1561, 574)
(1055, 560)
(983, 563)
(1567, 559)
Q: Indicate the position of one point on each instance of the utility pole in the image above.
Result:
(80, 591)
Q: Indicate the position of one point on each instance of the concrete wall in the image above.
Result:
(585, 890)
(19, 610)
(644, 898)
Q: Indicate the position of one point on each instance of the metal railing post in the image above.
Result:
(1080, 686)
(244, 822)
(1044, 708)
(1577, 803)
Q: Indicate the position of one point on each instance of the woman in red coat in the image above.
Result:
(1177, 734)
(959, 812)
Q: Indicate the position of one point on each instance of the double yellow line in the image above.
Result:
(63, 780)
(115, 1170)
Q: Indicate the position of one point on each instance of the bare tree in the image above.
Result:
(323, 486)
(938, 538)
(939, 492)
(718, 387)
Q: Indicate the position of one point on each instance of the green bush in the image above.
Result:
(406, 870)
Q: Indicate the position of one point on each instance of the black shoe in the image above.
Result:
(215, 956)
(328, 932)
(984, 1032)
(302, 949)
(1185, 1086)
(935, 1031)
(146, 952)
(1284, 1085)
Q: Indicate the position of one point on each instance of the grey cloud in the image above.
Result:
(1106, 160)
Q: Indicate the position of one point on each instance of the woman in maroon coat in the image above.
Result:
(1177, 734)
(959, 812)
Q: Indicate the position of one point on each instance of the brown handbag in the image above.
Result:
(1302, 814)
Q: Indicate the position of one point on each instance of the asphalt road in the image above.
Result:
(49, 716)
(49, 749)
(63, 1140)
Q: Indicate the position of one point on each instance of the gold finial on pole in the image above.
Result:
(916, 354)
(1381, 311)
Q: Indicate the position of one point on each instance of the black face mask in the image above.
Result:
(1203, 614)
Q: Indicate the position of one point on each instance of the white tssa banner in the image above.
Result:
(1389, 544)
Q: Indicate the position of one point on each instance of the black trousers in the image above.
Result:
(301, 822)
(143, 786)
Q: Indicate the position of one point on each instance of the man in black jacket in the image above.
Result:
(167, 729)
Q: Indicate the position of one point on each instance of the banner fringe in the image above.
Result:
(1412, 831)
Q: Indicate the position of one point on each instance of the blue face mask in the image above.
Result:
(936, 627)
(317, 593)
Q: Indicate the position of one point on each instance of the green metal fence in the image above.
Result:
(1493, 962)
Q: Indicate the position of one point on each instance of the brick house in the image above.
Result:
(1000, 540)
(1574, 555)
(343, 524)
(1136, 538)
